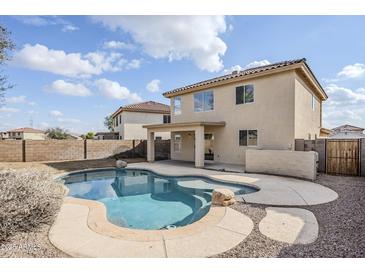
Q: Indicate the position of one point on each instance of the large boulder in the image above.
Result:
(120, 164)
(223, 197)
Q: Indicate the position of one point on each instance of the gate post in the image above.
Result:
(320, 148)
(362, 157)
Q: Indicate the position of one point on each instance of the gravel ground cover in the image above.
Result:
(32, 240)
(341, 226)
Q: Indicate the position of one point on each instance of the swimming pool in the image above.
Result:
(142, 199)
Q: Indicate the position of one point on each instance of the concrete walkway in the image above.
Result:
(289, 225)
(274, 190)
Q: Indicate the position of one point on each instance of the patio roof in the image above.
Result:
(191, 124)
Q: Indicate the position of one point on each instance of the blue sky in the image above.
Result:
(71, 71)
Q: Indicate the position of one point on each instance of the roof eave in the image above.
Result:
(139, 110)
(170, 94)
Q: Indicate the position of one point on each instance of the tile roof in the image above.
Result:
(236, 74)
(149, 106)
(26, 130)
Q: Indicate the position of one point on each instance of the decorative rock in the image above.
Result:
(120, 164)
(228, 202)
(223, 197)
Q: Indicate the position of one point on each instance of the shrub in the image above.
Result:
(28, 200)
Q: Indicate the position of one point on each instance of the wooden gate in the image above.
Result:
(343, 157)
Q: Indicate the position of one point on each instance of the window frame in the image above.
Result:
(203, 93)
(178, 142)
(313, 102)
(174, 104)
(166, 119)
(244, 94)
(247, 137)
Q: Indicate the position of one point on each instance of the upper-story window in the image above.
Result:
(177, 105)
(313, 102)
(166, 119)
(244, 94)
(203, 101)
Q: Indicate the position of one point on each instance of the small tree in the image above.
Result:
(57, 133)
(108, 123)
(6, 45)
(90, 135)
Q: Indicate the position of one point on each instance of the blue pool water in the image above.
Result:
(144, 200)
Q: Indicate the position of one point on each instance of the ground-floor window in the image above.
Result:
(248, 137)
(177, 143)
(158, 138)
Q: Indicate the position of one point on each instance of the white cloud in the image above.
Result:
(9, 110)
(154, 85)
(118, 45)
(106, 61)
(257, 64)
(22, 99)
(16, 100)
(41, 21)
(352, 71)
(134, 64)
(39, 57)
(67, 88)
(250, 65)
(56, 113)
(68, 120)
(114, 90)
(69, 28)
(344, 106)
(176, 37)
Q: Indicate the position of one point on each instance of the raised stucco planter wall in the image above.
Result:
(300, 164)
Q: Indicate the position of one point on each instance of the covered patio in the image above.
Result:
(197, 128)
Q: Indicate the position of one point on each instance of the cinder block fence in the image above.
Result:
(58, 150)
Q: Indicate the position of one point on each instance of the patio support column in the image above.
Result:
(199, 146)
(150, 146)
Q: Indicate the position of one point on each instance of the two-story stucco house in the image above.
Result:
(128, 120)
(266, 107)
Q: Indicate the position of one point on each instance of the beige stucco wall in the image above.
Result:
(34, 136)
(132, 122)
(301, 164)
(187, 146)
(272, 114)
(307, 121)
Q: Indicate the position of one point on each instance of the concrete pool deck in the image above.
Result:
(274, 190)
(82, 230)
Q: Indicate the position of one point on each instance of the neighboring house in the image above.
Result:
(26, 133)
(4, 135)
(347, 132)
(266, 107)
(106, 136)
(128, 120)
(74, 136)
